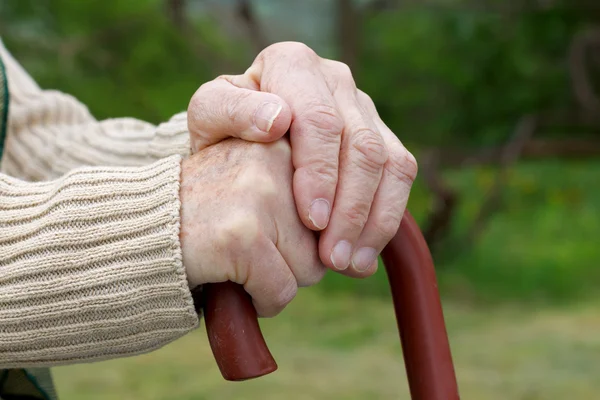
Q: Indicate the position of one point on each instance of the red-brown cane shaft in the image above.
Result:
(241, 352)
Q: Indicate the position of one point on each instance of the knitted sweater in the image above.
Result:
(90, 258)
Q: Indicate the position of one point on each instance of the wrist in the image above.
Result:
(189, 240)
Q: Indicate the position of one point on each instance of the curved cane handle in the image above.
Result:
(233, 332)
(241, 352)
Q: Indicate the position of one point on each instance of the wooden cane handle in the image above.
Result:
(234, 334)
(241, 352)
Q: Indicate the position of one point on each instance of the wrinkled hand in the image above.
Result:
(239, 223)
(352, 175)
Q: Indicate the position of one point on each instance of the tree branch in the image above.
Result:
(533, 149)
(510, 154)
(176, 12)
(582, 83)
(248, 16)
(445, 201)
(348, 28)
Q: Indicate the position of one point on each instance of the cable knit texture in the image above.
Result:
(90, 258)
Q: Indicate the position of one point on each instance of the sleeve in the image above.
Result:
(90, 256)
(91, 265)
(50, 133)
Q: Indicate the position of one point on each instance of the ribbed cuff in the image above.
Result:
(91, 266)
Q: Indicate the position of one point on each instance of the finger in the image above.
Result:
(270, 281)
(363, 155)
(298, 245)
(316, 127)
(390, 200)
(299, 248)
(219, 110)
(353, 273)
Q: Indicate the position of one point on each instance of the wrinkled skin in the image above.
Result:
(352, 176)
(239, 223)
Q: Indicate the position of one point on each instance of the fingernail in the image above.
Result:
(265, 116)
(364, 258)
(340, 255)
(318, 213)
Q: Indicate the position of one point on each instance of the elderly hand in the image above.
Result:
(239, 223)
(352, 175)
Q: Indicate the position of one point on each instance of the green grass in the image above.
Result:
(346, 347)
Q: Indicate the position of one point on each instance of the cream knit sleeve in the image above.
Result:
(90, 258)
(90, 265)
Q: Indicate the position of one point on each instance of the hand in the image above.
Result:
(239, 223)
(352, 175)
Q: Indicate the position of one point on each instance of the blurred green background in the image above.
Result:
(497, 99)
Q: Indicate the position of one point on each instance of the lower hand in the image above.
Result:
(352, 175)
(239, 223)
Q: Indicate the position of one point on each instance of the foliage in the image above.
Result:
(439, 75)
(118, 57)
(455, 76)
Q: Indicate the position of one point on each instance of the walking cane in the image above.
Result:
(241, 353)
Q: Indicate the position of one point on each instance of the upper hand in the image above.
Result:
(352, 175)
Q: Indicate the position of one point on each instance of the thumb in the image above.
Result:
(219, 110)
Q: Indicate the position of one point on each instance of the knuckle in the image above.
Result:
(339, 74)
(298, 49)
(197, 105)
(402, 164)
(208, 105)
(256, 180)
(285, 295)
(232, 108)
(193, 103)
(342, 71)
(325, 119)
(239, 232)
(265, 157)
(200, 92)
(324, 171)
(371, 148)
(283, 148)
(206, 90)
(314, 275)
(365, 100)
(278, 152)
(222, 77)
(387, 223)
(356, 216)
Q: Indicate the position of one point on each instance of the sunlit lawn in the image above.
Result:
(347, 348)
